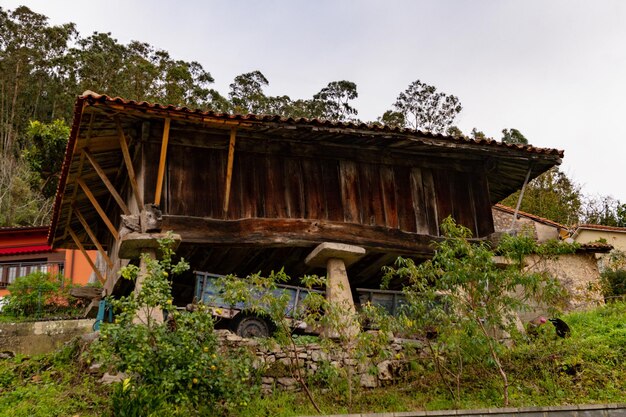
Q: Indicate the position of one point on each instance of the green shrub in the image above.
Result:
(40, 294)
(175, 364)
(613, 283)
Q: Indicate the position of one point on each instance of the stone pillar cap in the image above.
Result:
(132, 244)
(331, 250)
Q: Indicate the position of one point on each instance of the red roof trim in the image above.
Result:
(25, 250)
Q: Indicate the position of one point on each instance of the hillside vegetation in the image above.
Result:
(587, 367)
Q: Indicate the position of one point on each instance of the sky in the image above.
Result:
(555, 70)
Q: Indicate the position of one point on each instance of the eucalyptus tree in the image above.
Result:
(424, 108)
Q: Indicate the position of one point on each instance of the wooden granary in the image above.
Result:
(257, 193)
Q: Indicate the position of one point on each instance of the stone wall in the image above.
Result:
(578, 273)
(33, 338)
(539, 231)
(274, 363)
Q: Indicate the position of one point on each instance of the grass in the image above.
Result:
(588, 367)
(49, 386)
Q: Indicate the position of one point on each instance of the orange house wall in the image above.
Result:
(76, 267)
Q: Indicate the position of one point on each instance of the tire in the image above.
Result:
(252, 326)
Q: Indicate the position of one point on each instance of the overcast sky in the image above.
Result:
(555, 70)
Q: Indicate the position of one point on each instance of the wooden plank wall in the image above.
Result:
(414, 199)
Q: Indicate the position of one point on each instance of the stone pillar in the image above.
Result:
(336, 257)
(132, 245)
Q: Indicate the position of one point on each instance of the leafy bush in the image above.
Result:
(613, 283)
(172, 363)
(40, 294)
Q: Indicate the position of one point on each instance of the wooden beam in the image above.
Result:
(106, 181)
(98, 208)
(93, 237)
(296, 232)
(86, 255)
(162, 159)
(229, 167)
(129, 163)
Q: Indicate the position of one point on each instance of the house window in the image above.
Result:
(9, 272)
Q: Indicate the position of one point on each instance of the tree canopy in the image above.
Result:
(43, 67)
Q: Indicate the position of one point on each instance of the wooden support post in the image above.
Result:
(93, 237)
(229, 168)
(129, 164)
(106, 181)
(86, 255)
(161, 172)
(98, 208)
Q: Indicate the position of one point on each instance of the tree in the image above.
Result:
(392, 119)
(335, 100)
(513, 136)
(32, 63)
(246, 93)
(469, 301)
(44, 152)
(604, 210)
(454, 131)
(426, 109)
(477, 134)
(552, 195)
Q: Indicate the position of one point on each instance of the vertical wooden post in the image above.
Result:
(229, 168)
(161, 172)
(129, 164)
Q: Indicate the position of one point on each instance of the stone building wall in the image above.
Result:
(539, 231)
(578, 273)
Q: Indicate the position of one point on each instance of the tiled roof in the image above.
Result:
(543, 220)
(595, 247)
(600, 227)
(92, 97)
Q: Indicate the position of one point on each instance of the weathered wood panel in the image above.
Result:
(294, 189)
(332, 189)
(275, 205)
(315, 206)
(350, 193)
(482, 205)
(404, 199)
(371, 195)
(463, 201)
(388, 187)
(412, 199)
(442, 182)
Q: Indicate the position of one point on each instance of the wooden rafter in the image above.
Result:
(229, 167)
(162, 159)
(80, 170)
(129, 163)
(86, 255)
(96, 166)
(98, 208)
(93, 237)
